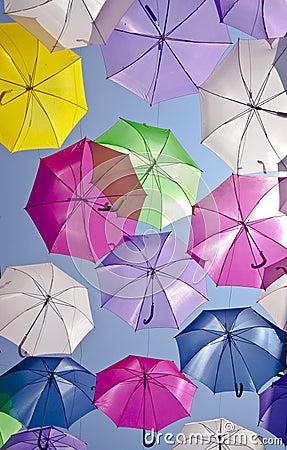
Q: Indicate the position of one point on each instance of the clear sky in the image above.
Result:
(113, 339)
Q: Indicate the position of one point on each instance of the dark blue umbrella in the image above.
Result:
(48, 391)
(231, 349)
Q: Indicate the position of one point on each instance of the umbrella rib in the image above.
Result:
(160, 251)
(55, 74)
(37, 284)
(184, 282)
(168, 302)
(244, 363)
(27, 106)
(265, 133)
(136, 387)
(19, 71)
(116, 293)
(240, 152)
(181, 65)
(219, 361)
(57, 97)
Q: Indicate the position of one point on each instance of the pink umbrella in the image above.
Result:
(145, 393)
(72, 198)
(238, 229)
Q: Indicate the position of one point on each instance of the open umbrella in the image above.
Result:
(218, 434)
(8, 426)
(273, 408)
(69, 23)
(161, 50)
(146, 393)
(260, 18)
(233, 349)
(44, 438)
(43, 310)
(149, 281)
(244, 106)
(164, 169)
(42, 95)
(48, 391)
(237, 230)
(70, 201)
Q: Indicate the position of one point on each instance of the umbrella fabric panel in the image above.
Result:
(38, 89)
(244, 114)
(261, 18)
(47, 306)
(8, 426)
(79, 23)
(165, 42)
(48, 391)
(274, 301)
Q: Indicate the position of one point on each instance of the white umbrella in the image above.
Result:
(274, 299)
(43, 309)
(217, 434)
(62, 24)
(244, 106)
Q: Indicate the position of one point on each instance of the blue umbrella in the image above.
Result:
(48, 391)
(231, 349)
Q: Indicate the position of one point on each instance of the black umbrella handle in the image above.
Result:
(283, 268)
(262, 263)
(239, 391)
(39, 441)
(146, 321)
(148, 444)
(22, 353)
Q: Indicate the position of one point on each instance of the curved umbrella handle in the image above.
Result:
(239, 391)
(106, 207)
(2, 95)
(264, 167)
(22, 353)
(39, 441)
(283, 268)
(146, 321)
(148, 444)
(263, 262)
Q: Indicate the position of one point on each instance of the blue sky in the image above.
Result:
(112, 339)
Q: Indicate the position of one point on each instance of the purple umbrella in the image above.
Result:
(273, 408)
(260, 18)
(44, 438)
(161, 50)
(150, 282)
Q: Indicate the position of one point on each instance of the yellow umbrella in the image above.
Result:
(42, 94)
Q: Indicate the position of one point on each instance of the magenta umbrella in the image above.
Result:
(237, 230)
(72, 197)
(145, 393)
(260, 18)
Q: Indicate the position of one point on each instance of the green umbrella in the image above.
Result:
(164, 169)
(8, 426)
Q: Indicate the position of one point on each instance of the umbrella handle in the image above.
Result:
(283, 268)
(2, 95)
(263, 262)
(240, 391)
(146, 321)
(148, 444)
(263, 165)
(22, 353)
(39, 441)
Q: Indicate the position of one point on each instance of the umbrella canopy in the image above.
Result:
(161, 50)
(44, 438)
(260, 18)
(231, 349)
(42, 95)
(149, 281)
(78, 22)
(146, 393)
(48, 391)
(272, 408)
(8, 426)
(70, 200)
(217, 434)
(237, 230)
(43, 309)
(274, 300)
(244, 106)
(165, 170)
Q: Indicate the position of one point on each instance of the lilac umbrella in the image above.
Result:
(162, 50)
(237, 230)
(260, 18)
(44, 438)
(273, 408)
(149, 281)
